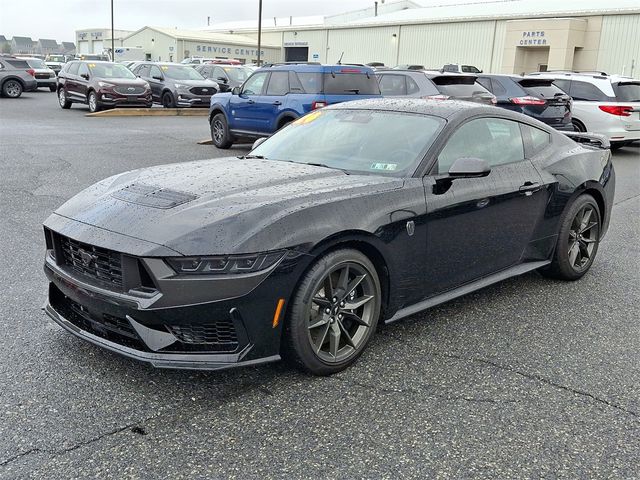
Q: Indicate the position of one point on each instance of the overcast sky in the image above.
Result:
(60, 19)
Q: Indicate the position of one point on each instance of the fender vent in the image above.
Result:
(154, 197)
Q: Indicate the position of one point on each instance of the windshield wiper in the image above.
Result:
(248, 157)
(323, 165)
(354, 90)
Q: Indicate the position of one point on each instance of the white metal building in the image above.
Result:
(502, 36)
(97, 40)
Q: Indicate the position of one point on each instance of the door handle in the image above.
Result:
(250, 102)
(277, 103)
(529, 187)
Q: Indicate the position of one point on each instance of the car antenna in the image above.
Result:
(340, 59)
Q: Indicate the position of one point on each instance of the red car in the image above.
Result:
(101, 85)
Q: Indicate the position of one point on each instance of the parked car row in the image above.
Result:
(16, 76)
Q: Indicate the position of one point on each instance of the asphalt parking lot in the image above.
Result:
(529, 378)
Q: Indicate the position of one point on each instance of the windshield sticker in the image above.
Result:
(384, 166)
(308, 118)
(164, 67)
(92, 65)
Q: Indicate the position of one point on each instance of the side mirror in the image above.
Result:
(258, 142)
(469, 167)
(222, 79)
(156, 77)
(85, 76)
(235, 91)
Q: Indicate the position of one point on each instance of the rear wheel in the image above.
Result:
(578, 240)
(333, 313)
(220, 132)
(63, 100)
(578, 126)
(12, 88)
(92, 100)
(52, 88)
(168, 100)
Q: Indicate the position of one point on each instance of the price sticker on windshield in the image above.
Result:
(308, 118)
(92, 65)
(164, 67)
(384, 166)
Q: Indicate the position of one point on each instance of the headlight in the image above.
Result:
(225, 264)
(105, 84)
(147, 86)
(182, 86)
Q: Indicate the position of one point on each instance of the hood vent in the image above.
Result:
(154, 197)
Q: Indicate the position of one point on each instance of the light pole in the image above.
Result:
(259, 28)
(113, 49)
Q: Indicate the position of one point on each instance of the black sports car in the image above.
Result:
(359, 213)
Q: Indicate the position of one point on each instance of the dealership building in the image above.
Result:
(503, 36)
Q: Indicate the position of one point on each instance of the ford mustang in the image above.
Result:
(353, 215)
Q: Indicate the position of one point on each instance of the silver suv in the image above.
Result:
(15, 77)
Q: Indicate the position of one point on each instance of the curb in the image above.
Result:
(151, 112)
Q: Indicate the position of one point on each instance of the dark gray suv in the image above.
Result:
(174, 85)
(16, 76)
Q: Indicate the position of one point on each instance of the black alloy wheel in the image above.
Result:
(168, 101)
(12, 88)
(334, 313)
(220, 132)
(578, 240)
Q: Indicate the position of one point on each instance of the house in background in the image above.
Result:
(46, 46)
(68, 48)
(22, 46)
(5, 45)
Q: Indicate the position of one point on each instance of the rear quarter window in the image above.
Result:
(350, 84)
(540, 89)
(21, 64)
(538, 139)
(587, 92)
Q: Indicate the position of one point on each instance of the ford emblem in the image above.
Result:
(130, 89)
(205, 90)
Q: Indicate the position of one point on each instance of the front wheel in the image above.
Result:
(12, 88)
(333, 313)
(63, 100)
(168, 101)
(220, 134)
(92, 100)
(578, 240)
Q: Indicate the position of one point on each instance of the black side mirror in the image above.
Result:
(85, 76)
(156, 77)
(235, 91)
(469, 167)
(258, 142)
(222, 79)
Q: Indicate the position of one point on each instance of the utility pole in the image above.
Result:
(259, 29)
(113, 40)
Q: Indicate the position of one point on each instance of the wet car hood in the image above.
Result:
(197, 83)
(126, 82)
(218, 206)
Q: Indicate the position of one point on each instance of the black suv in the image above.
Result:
(174, 85)
(537, 97)
(226, 76)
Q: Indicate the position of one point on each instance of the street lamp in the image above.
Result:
(259, 28)
(113, 49)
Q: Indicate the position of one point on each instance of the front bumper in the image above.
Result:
(46, 82)
(113, 99)
(173, 326)
(187, 99)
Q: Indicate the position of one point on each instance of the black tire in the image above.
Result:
(615, 146)
(284, 122)
(315, 322)
(168, 101)
(578, 126)
(220, 132)
(52, 88)
(571, 237)
(92, 100)
(12, 88)
(63, 101)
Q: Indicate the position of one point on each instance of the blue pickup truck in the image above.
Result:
(278, 94)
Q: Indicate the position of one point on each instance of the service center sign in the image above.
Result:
(228, 50)
(533, 38)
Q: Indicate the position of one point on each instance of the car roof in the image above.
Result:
(320, 68)
(439, 108)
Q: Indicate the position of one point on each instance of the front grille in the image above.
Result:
(42, 76)
(99, 322)
(129, 90)
(202, 90)
(219, 336)
(94, 262)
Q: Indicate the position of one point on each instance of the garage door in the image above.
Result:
(83, 46)
(97, 46)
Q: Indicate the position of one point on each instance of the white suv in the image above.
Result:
(605, 104)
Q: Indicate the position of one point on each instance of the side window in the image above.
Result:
(143, 71)
(497, 88)
(587, 91)
(539, 138)
(485, 82)
(255, 84)
(73, 68)
(83, 69)
(218, 73)
(563, 85)
(393, 85)
(295, 86)
(412, 86)
(495, 140)
(154, 71)
(278, 83)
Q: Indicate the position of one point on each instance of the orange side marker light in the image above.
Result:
(276, 315)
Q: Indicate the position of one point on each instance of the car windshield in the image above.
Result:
(356, 141)
(36, 63)
(110, 70)
(627, 91)
(239, 74)
(56, 58)
(178, 72)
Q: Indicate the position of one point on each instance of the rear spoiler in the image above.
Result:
(589, 139)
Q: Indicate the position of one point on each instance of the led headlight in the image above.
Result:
(182, 86)
(106, 84)
(225, 264)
